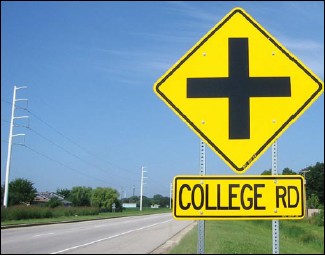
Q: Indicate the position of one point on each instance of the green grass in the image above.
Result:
(254, 237)
(21, 212)
(106, 215)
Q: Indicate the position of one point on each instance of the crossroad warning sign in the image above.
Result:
(239, 89)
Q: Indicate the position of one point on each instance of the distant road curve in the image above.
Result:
(126, 235)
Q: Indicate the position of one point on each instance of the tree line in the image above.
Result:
(22, 191)
(314, 177)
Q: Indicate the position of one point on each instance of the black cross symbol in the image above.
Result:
(238, 88)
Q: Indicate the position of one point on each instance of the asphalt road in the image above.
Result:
(127, 235)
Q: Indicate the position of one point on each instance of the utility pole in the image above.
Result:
(141, 188)
(304, 174)
(121, 195)
(14, 100)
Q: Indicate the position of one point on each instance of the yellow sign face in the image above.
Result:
(239, 89)
(239, 197)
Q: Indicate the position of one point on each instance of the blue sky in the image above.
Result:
(90, 69)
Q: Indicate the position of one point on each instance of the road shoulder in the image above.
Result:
(164, 248)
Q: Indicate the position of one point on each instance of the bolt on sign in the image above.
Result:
(238, 197)
(239, 89)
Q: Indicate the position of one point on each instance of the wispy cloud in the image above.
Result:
(159, 65)
(168, 36)
(129, 67)
(165, 45)
(188, 10)
(310, 52)
(306, 10)
(303, 44)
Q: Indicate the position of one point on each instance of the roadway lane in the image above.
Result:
(127, 235)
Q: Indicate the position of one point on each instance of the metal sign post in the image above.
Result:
(201, 223)
(275, 223)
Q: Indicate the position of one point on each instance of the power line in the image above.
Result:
(62, 148)
(72, 141)
(5, 101)
(57, 145)
(74, 155)
(69, 152)
(62, 164)
(76, 144)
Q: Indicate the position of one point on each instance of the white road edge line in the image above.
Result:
(110, 237)
(44, 234)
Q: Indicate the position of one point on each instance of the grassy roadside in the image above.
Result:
(254, 237)
(106, 215)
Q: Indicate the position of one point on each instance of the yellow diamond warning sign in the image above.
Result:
(238, 89)
(239, 197)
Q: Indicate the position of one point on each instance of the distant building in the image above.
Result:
(312, 212)
(42, 198)
(129, 205)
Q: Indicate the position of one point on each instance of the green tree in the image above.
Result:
(287, 171)
(160, 200)
(21, 191)
(165, 201)
(314, 181)
(313, 202)
(157, 199)
(267, 172)
(80, 196)
(134, 199)
(64, 192)
(54, 202)
(146, 201)
(104, 198)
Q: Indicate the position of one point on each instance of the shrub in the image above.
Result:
(36, 212)
(20, 212)
(54, 202)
